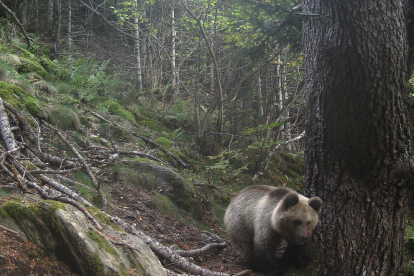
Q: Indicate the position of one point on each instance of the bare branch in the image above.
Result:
(264, 164)
(167, 253)
(17, 22)
(158, 146)
(199, 251)
(85, 165)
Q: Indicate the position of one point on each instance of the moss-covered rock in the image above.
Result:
(116, 109)
(175, 187)
(47, 64)
(64, 118)
(65, 233)
(150, 123)
(30, 65)
(11, 60)
(165, 142)
(20, 99)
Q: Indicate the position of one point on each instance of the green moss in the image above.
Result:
(20, 99)
(47, 64)
(32, 106)
(46, 210)
(117, 109)
(165, 142)
(29, 165)
(184, 197)
(83, 178)
(102, 242)
(151, 125)
(165, 206)
(103, 218)
(182, 156)
(129, 177)
(122, 270)
(64, 118)
(14, 209)
(29, 65)
(96, 264)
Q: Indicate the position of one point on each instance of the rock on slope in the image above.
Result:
(66, 234)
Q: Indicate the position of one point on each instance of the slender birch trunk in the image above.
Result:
(137, 48)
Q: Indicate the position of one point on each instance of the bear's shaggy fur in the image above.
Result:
(260, 218)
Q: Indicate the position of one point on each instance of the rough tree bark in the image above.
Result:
(358, 150)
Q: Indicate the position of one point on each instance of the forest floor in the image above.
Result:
(133, 204)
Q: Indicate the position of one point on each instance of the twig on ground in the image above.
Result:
(199, 251)
(167, 253)
(163, 149)
(85, 165)
(8, 230)
(58, 196)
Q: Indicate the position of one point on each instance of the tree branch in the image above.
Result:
(264, 164)
(85, 165)
(17, 22)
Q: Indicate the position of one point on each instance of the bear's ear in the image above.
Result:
(291, 199)
(315, 203)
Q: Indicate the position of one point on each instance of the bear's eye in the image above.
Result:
(308, 223)
(297, 222)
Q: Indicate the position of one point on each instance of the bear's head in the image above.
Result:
(295, 216)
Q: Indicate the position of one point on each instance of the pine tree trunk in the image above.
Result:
(358, 134)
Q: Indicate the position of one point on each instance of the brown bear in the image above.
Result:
(261, 218)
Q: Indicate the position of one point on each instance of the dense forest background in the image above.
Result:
(219, 85)
(221, 69)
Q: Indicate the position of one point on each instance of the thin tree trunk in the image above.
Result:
(173, 34)
(57, 10)
(49, 21)
(358, 157)
(70, 26)
(137, 48)
(24, 12)
(259, 97)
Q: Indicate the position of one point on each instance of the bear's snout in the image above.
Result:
(301, 239)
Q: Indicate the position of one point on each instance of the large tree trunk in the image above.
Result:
(358, 151)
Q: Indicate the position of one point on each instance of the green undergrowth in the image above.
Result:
(409, 248)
